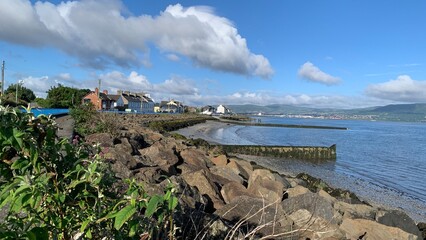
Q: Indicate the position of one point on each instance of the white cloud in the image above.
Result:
(185, 90)
(115, 80)
(402, 89)
(100, 33)
(267, 98)
(39, 85)
(312, 73)
(176, 86)
(65, 76)
(173, 57)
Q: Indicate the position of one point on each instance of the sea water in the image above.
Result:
(382, 162)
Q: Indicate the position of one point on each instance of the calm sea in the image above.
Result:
(384, 162)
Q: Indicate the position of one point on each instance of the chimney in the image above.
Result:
(105, 92)
(97, 91)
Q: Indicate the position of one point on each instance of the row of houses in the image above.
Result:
(130, 102)
(210, 110)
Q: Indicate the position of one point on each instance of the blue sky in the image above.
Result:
(342, 54)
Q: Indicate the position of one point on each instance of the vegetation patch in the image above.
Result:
(173, 125)
(53, 189)
(240, 118)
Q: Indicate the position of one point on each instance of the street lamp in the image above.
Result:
(17, 86)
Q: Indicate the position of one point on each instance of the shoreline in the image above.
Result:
(374, 194)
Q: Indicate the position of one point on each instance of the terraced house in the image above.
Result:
(122, 101)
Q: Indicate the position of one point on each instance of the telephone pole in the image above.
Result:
(99, 87)
(2, 79)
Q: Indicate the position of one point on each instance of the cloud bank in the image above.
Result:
(186, 90)
(312, 73)
(402, 89)
(100, 33)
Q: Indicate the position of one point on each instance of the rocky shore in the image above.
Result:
(223, 197)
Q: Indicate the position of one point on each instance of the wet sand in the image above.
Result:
(203, 130)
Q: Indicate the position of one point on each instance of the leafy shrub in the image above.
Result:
(88, 120)
(53, 189)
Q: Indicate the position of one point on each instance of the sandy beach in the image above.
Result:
(203, 130)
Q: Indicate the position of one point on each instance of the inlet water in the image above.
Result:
(384, 162)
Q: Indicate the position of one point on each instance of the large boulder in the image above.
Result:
(150, 137)
(316, 205)
(201, 179)
(196, 157)
(104, 139)
(232, 190)
(367, 229)
(189, 196)
(227, 173)
(355, 210)
(159, 154)
(241, 167)
(399, 219)
(220, 160)
(255, 216)
(125, 146)
(186, 168)
(120, 154)
(283, 180)
(307, 226)
(296, 191)
(120, 170)
(262, 184)
(422, 228)
(154, 174)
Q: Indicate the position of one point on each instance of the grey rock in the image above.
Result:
(399, 219)
(104, 139)
(233, 190)
(255, 215)
(316, 205)
(226, 173)
(367, 229)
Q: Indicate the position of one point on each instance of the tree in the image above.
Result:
(42, 102)
(65, 97)
(24, 93)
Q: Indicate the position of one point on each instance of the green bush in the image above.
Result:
(53, 189)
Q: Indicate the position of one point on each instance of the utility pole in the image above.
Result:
(99, 86)
(2, 79)
(99, 90)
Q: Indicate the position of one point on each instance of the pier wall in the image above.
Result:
(288, 152)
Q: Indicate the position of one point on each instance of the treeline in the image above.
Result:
(57, 96)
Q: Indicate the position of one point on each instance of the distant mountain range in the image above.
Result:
(397, 112)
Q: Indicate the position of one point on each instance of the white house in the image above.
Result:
(222, 110)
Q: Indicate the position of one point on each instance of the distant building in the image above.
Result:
(171, 106)
(189, 109)
(208, 110)
(135, 102)
(122, 101)
(221, 109)
(100, 100)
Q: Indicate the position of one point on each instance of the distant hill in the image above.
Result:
(417, 108)
(399, 112)
(270, 109)
(395, 112)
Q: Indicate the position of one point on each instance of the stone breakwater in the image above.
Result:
(226, 197)
(286, 152)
